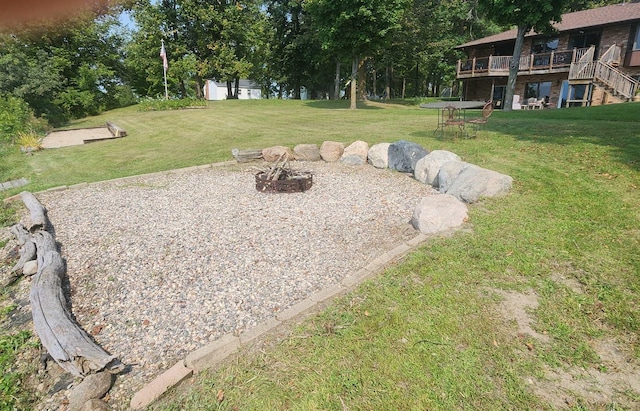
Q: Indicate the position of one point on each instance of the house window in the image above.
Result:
(544, 45)
(585, 40)
(538, 90)
(636, 41)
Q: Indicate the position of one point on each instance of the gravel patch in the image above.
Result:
(161, 265)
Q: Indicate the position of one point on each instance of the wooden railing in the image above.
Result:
(499, 65)
(612, 55)
(605, 74)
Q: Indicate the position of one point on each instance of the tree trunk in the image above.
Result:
(387, 82)
(229, 90)
(514, 65)
(404, 86)
(362, 80)
(199, 87)
(354, 83)
(374, 84)
(336, 84)
(416, 86)
(237, 88)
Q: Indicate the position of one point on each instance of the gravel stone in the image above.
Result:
(160, 265)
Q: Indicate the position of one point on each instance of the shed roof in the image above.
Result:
(601, 16)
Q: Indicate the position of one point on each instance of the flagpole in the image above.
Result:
(164, 69)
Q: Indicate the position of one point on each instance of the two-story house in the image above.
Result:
(592, 59)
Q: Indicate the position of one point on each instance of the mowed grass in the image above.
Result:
(427, 333)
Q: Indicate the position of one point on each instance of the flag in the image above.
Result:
(163, 56)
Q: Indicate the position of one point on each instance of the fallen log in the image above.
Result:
(27, 247)
(37, 217)
(67, 343)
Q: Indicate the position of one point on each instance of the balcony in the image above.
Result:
(541, 63)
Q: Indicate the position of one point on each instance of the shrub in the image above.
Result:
(29, 141)
(15, 115)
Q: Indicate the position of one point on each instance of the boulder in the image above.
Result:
(355, 153)
(428, 167)
(403, 156)
(469, 183)
(94, 386)
(307, 152)
(271, 154)
(331, 151)
(378, 155)
(437, 213)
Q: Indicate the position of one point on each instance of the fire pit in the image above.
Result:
(280, 178)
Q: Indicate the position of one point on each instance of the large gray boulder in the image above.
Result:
(378, 155)
(331, 151)
(428, 167)
(271, 154)
(403, 155)
(437, 213)
(94, 386)
(355, 153)
(307, 152)
(469, 183)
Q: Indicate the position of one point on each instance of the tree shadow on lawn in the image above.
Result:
(340, 105)
(621, 135)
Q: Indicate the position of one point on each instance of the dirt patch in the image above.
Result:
(616, 382)
(66, 138)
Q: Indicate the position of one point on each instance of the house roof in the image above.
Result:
(616, 13)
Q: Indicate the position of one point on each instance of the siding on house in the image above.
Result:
(217, 90)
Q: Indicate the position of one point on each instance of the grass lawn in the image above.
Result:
(436, 331)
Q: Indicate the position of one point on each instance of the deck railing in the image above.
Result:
(612, 55)
(499, 65)
(605, 74)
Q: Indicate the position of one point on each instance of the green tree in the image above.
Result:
(355, 28)
(65, 71)
(526, 15)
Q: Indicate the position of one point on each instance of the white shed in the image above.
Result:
(217, 90)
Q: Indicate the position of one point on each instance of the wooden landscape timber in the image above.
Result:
(243, 156)
(116, 130)
(67, 343)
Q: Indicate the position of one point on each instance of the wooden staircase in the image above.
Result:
(604, 73)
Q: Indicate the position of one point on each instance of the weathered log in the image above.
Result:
(67, 343)
(27, 247)
(116, 130)
(243, 156)
(37, 218)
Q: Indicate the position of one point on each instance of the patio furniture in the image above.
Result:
(452, 114)
(478, 122)
(535, 103)
(453, 118)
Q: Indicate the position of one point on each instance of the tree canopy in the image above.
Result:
(396, 48)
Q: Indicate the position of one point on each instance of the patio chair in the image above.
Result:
(451, 115)
(535, 103)
(477, 123)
